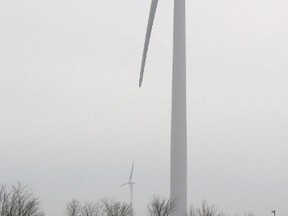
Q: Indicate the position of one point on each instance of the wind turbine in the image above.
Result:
(130, 183)
(178, 161)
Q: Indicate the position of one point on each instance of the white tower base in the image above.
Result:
(178, 175)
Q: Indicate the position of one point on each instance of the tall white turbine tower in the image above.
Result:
(178, 162)
(130, 183)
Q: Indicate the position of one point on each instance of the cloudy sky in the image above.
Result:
(72, 117)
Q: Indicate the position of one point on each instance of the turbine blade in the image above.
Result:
(124, 184)
(153, 8)
(131, 195)
(130, 178)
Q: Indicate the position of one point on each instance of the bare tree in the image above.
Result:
(204, 210)
(73, 208)
(160, 206)
(18, 200)
(116, 208)
(90, 209)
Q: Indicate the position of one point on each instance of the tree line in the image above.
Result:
(157, 206)
(18, 200)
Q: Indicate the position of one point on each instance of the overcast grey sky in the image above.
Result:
(72, 117)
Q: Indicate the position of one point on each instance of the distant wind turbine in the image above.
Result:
(178, 162)
(130, 183)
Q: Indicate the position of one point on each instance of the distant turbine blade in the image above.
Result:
(130, 178)
(153, 8)
(131, 195)
(123, 184)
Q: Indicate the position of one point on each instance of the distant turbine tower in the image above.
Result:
(178, 162)
(130, 183)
